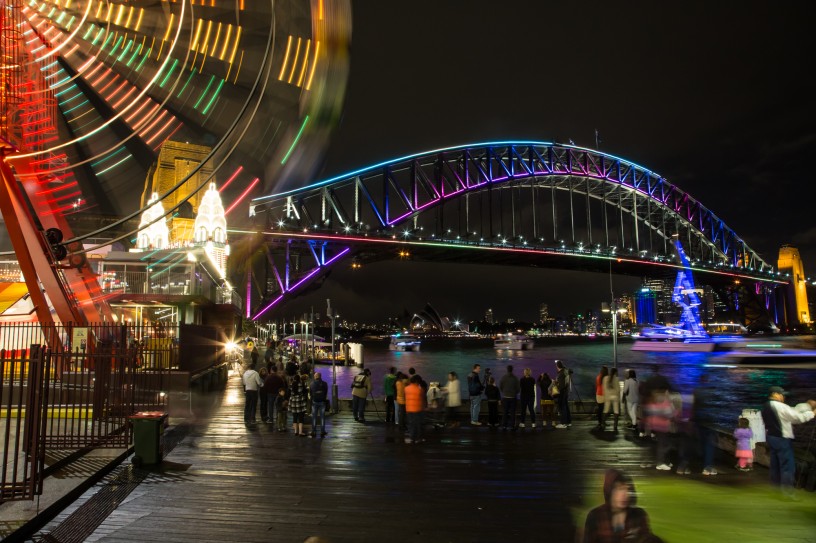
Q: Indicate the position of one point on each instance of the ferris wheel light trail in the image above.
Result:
(127, 108)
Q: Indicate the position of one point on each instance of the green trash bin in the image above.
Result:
(148, 430)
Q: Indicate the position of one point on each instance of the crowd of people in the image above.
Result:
(282, 390)
(681, 428)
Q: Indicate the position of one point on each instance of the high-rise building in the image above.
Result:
(543, 313)
(708, 311)
(489, 316)
(645, 306)
(665, 311)
(626, 308)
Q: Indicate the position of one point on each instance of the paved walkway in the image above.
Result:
(227, 482)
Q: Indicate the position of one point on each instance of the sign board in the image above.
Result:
(79, 339)
(250, 345)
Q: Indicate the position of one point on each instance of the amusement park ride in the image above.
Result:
(91, 90)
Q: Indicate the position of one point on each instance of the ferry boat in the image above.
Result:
(770, 354)
(513, 342)
(671, 338)
(688, 345)
(404, 343)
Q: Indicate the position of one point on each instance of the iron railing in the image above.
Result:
(70, 387)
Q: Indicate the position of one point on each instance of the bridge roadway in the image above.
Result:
(226, 482)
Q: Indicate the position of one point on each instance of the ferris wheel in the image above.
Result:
(90, 91)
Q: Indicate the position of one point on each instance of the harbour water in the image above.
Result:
(738, 386)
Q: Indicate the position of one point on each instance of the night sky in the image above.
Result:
(717, 97)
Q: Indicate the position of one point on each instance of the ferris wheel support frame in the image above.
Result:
(33, 252)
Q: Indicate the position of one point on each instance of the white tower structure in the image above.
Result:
(210, 228)
(156, 235)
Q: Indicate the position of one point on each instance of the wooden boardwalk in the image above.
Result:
(227, 482)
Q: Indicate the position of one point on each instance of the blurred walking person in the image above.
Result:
(618, 519)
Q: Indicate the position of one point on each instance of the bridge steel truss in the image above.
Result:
(513, 196)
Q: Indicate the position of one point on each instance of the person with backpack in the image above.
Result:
(360, 389)
(547, 403)
(475, 389)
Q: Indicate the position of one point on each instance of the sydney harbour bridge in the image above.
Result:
(517, 203)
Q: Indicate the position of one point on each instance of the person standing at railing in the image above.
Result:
(779, 418)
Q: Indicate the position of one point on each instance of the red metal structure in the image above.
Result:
(37, 189)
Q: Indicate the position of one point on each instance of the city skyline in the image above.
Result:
(358, 292)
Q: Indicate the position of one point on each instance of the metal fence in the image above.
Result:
(69, 387)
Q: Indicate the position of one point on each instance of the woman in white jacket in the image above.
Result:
(631, 397)
(454, 395)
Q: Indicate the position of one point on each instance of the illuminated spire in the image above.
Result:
(211, 229)
(156, 235)
(210, 222)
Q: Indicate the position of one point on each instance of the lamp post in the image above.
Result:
(304, 340)
(294, 335)
(335, 400)
(612, 308)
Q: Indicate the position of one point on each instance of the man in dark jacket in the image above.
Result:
(475, 389)
(509, 387)
(319, 392)
(271, 386)
(617, 519)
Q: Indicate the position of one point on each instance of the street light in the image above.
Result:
(304, 344)
(614, 309)
(335, 400)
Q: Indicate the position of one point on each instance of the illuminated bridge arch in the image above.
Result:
(519, 202)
